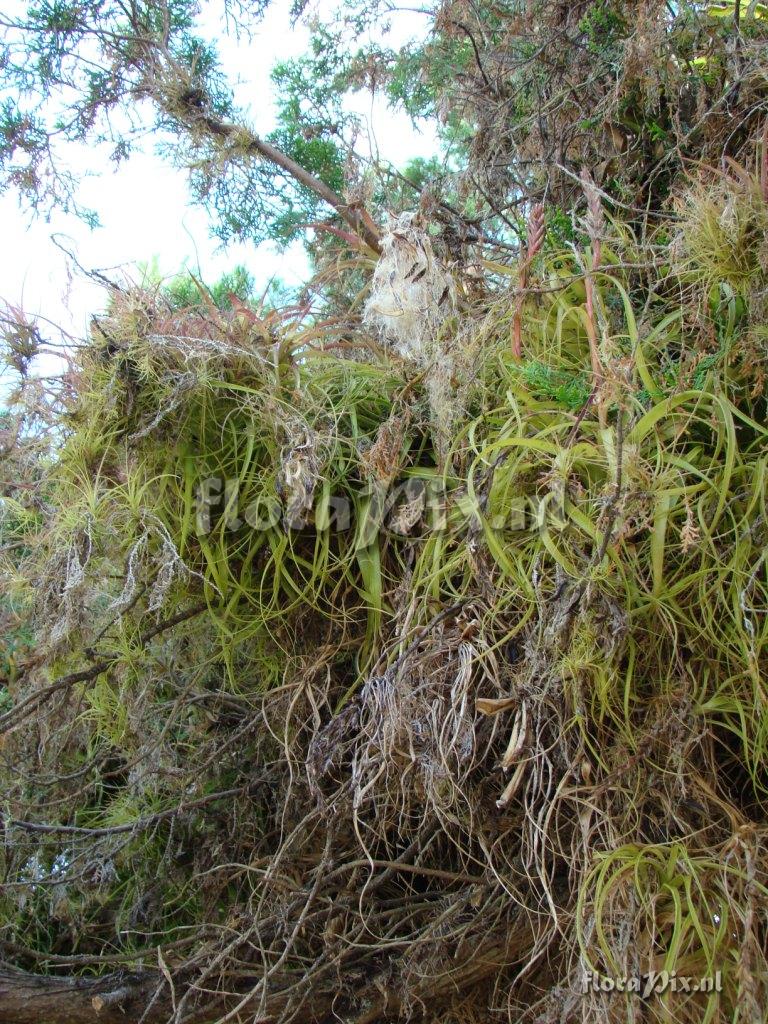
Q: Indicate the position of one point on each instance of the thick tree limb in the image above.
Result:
(117, 998)
(126, 998)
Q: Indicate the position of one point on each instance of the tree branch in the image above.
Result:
(116, 998)
(125, 998)
(31, 703)
(248, 142)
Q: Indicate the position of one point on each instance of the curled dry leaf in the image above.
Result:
(513, 785)
(495, 705)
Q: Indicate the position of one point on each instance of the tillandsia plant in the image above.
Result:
(309, 701)
(595, 228)
(535, 240)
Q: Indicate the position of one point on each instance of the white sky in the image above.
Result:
(144, 208)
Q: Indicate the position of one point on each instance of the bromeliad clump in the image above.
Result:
(375, 696)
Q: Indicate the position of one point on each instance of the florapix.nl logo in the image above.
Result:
(653, 983)
(406, 509)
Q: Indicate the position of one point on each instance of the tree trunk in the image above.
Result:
(124, 997)
(117, 998)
